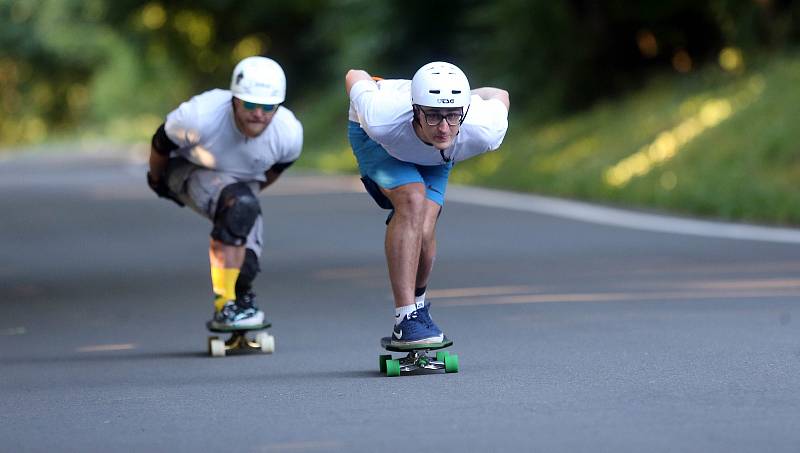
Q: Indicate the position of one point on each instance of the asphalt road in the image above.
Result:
(571, 336)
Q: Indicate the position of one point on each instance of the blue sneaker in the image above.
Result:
(426, 317)
(416, 330)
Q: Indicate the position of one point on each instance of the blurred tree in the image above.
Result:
(567, 54)
(70, 63)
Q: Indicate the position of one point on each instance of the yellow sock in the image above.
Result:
(223, 281)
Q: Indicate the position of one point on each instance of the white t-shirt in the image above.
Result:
(383, 110)
(206, 134)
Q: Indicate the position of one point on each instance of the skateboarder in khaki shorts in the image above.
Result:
(215, 153)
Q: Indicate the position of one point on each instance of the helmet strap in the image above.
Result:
(464, 116)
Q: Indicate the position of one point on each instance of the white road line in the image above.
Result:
(585, 212)
(574, 210)
(107, 347)
(20, 330)
(617, 297)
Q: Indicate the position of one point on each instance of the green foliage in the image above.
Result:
(105, 67)
(742, 164)
(72, 64)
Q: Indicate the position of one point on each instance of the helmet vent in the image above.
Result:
(434, 91)
(456, 91)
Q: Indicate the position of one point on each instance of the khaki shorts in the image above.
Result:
(199, 188)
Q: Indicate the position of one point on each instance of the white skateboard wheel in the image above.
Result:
(216, 347)
(266, 342)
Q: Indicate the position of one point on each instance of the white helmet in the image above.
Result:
(260, 80)
(440, 84)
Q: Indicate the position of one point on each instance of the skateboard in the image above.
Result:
(239, 341)
(417, 358)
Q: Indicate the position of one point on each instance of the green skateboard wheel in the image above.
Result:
(451, 364)
(382, 361)
(440, 355)
(392, 368)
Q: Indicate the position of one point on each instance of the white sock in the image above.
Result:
(400, 313)
(419, 301)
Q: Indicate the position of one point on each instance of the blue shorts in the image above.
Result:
(379, 169)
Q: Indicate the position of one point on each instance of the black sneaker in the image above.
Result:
(247, 302)
(233, 316)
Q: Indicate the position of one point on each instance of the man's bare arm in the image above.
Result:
(274, 173)
(493, 93)
(272, 176)
(353, 76)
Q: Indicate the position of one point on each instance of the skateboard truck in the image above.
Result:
(417, 358)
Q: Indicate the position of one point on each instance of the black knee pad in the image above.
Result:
(237, 211)
(247, 273)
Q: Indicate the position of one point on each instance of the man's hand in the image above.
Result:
(159, 186)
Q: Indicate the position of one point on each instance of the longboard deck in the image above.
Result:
(263, 326)
(386, 343)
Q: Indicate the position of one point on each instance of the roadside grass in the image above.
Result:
(711, 144)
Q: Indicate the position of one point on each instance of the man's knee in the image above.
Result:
(237, 211)
(409, 199)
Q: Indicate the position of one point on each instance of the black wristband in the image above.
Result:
(162, 143)
(281, 166)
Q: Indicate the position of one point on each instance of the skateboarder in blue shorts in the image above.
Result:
(406, 136)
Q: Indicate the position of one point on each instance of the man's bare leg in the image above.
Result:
(225, 256)
(409, 232)
(404, 240)
(428, 252)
